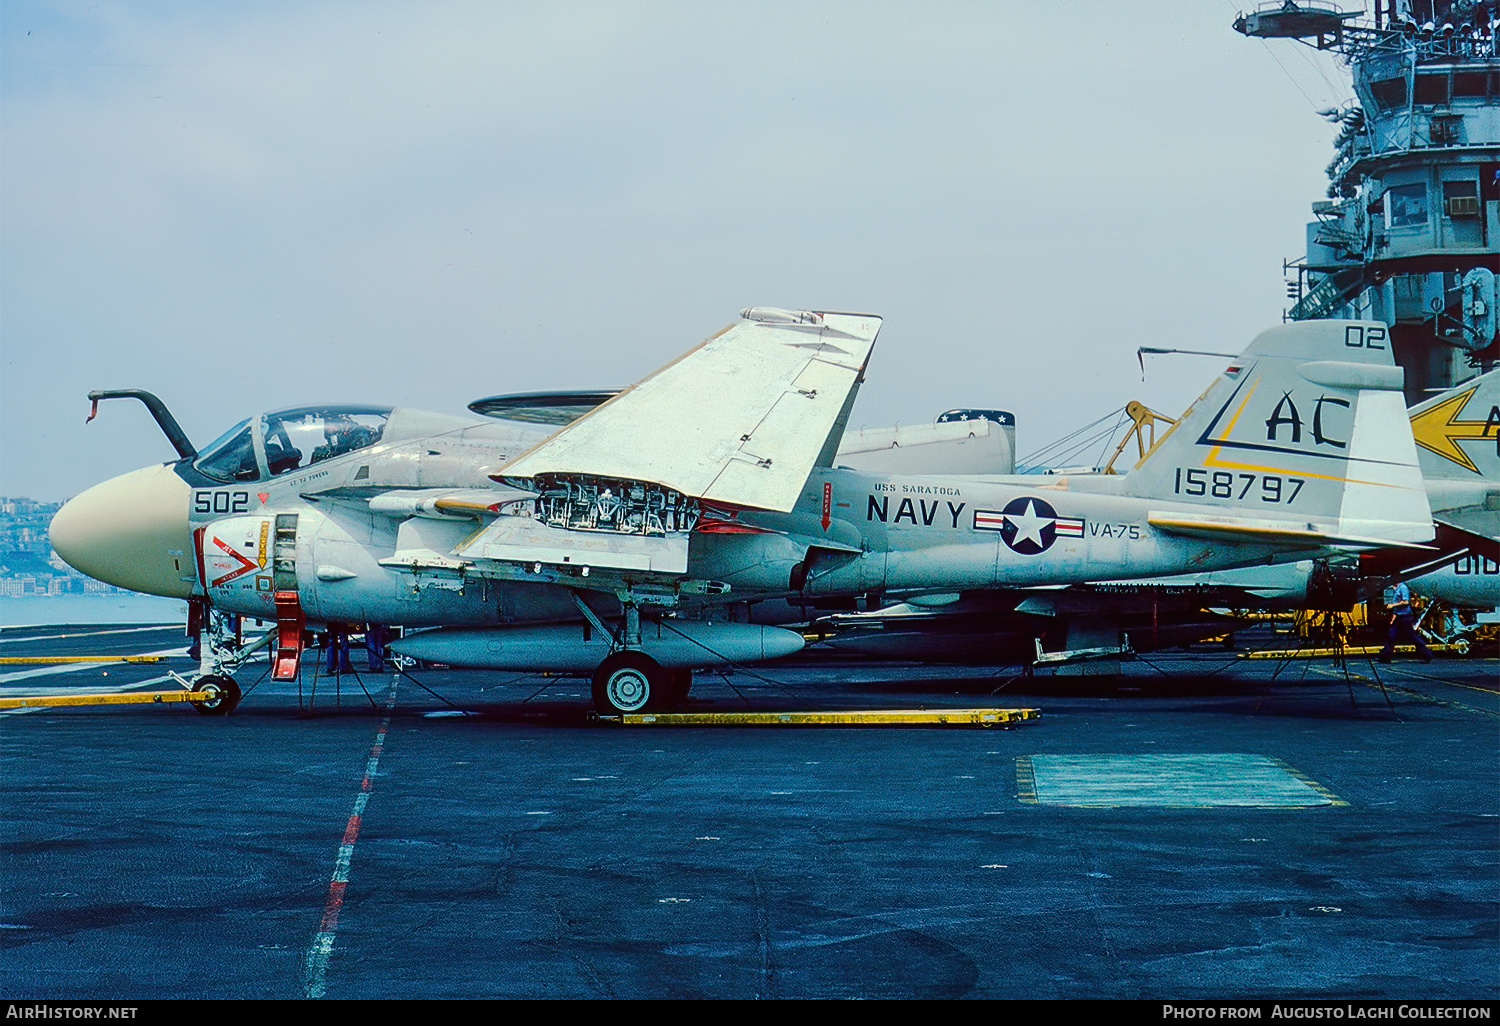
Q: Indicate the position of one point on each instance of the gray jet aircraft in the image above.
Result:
(1458, 437)
(631, 542)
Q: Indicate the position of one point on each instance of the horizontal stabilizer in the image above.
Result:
(740, 420)
(1480, 519)
(1274, 532)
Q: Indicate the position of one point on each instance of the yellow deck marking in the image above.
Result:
(1025, 780)
(1391, 685)
(1201, 780)
(82, 634)
(1333, 799)
(847, 718)
(1450, 683)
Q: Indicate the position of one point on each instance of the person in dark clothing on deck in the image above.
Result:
(1403, 624)
(337, 642)
(376, 636)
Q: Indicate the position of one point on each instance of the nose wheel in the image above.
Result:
(223, 695)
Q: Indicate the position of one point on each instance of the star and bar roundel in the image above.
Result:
(1028, 525)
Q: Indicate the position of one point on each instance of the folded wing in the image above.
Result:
(741, 420)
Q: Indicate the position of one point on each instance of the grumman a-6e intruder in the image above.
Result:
(648, 536)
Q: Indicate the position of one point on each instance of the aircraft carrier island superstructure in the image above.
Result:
(1410, 231)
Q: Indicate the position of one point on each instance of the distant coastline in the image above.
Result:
(38, 589)
(120, 607)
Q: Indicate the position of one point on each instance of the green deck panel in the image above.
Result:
(1167, 781)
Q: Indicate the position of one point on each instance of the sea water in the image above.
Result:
(47, 610)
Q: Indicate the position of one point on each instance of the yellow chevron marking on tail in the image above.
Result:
(1439, 430)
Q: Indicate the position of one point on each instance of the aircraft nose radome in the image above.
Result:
(131, 531)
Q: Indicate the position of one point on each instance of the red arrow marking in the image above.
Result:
(827, 504)
(246, 565)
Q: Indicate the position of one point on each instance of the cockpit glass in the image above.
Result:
(299, 438)
(231, 456)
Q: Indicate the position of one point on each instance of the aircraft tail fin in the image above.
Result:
(1302, 441)
(1458, 431)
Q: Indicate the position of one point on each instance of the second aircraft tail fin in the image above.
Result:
(1458, 431)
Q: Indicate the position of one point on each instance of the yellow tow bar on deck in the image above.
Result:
(843, 718)
(60, 660)
(1353, 651)
(212, 695)
(121, 698)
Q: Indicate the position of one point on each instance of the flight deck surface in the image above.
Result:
(1191, 828)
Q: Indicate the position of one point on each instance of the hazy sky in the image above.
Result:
(244, 207)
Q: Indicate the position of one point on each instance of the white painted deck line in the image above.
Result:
(56, 668)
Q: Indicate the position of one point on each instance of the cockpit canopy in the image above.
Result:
(278, 443)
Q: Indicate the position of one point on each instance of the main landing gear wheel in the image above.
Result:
(629, 682)
(223, 692)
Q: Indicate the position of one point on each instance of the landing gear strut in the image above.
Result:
(222, 651)
(629, 681)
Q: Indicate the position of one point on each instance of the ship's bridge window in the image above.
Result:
(1469, 85)
(1431, 90)
(298, 438)
(1389, 94)
(1406, 205)
(231, 456)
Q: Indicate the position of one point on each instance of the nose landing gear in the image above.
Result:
(222, 649)
(222, 695)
